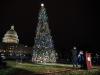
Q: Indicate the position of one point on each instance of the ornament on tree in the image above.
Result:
(43, 50)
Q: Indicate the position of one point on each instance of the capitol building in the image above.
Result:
(10, 47)
(11, 36)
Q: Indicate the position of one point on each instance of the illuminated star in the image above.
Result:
(42, 4)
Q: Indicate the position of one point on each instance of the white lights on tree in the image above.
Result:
(43, 51)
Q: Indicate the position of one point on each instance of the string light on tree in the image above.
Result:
(43, 51)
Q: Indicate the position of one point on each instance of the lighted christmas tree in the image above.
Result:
(43, 50)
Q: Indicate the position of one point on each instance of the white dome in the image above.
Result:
(11, 36)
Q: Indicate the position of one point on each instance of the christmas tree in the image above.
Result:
(43, 50)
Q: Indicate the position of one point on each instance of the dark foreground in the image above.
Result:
(14, 68)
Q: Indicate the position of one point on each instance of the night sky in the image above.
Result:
(72, 22)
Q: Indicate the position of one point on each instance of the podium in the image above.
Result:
(88, 61)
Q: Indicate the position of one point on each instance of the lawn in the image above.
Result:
(44, 69)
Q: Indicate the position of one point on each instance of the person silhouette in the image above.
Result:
(81, 59)
(74, 57)
(0, 59)
(2, 63)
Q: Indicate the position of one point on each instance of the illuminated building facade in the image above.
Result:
(10, 42)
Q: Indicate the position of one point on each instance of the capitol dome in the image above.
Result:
(11, 36)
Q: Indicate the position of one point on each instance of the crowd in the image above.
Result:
(81, 59)
(78, 58)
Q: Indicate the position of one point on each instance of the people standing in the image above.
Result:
(74, 56)
(0, 59)
(2, 63)
(97, 58)
(81, 59)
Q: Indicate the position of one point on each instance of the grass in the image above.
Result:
(37, 68)
(56, 69)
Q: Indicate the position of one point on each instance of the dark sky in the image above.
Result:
(71, 21)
